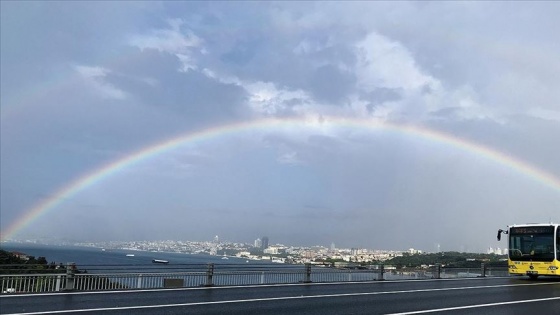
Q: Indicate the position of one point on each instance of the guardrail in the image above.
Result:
(117, 277)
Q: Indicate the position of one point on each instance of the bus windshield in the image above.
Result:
(532, 244)
(558, 243)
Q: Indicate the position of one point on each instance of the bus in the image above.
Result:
(533, 249)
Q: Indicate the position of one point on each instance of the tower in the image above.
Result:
(264, 242)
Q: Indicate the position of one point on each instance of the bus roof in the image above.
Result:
(534, 224)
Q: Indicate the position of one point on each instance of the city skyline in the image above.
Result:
(216, 240)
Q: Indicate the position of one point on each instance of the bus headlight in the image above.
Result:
(552, 268)
(512, 267)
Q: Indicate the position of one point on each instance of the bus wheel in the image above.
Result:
(533, 277)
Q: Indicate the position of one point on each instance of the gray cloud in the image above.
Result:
(330, 84)
(152, 77)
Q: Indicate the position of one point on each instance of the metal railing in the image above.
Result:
(32, 283)
(117, 277)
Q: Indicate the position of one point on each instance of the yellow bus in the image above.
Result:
(533, 249)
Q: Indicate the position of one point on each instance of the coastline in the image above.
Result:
(98, 256)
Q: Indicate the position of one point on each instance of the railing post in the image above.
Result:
(139, 282)
(482, 270)
(58, 280)
(262, 277)
(307, 273)
(70, 272)
(438, 272)
(210, 275)
(381, 272)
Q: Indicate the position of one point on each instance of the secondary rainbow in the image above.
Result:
(167, 145)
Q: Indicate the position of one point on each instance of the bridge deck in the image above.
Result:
(482, 295)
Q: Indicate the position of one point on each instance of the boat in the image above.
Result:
(159, 261)
(225, 257)
(129, 255)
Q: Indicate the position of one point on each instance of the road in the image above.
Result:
(460, 296)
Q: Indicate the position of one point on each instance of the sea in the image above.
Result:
(108, 261)
(95, 260)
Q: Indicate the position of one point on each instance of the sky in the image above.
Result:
(383, 125)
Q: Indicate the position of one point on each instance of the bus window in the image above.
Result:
(558, 243)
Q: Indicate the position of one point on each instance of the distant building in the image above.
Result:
(264, 244)
(258, 243)
(497, 251)
(243, 254)
(21, 255)
(413, 251)
(332, 246)
(213, 251)
(271, 250)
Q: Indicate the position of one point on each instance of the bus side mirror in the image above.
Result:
(500, 231)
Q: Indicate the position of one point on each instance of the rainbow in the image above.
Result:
(324, 123)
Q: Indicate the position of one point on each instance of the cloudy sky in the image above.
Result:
(281, 85)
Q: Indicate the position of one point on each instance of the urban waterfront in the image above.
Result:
(197, 252)
(117, 268)
(93, 258)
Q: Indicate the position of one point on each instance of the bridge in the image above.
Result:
(283, 290)
(462, 296)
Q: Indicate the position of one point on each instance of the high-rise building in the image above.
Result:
(258, 243)
(264, 244)
(332, 246)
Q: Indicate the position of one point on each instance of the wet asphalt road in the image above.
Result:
(462, 296)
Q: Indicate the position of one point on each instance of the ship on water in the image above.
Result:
(160, 261)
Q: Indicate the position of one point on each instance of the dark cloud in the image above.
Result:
(39, 38)
(152, 77)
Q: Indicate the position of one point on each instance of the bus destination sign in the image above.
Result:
(532, 230)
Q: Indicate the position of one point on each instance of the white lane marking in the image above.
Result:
(475, 306)
(242, 286)
(273, 299)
